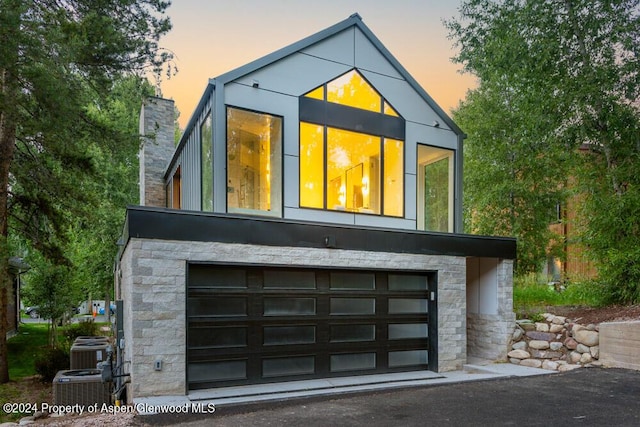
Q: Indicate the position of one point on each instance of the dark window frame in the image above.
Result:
(342, 117)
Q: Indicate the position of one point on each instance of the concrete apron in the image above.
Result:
(240, 395)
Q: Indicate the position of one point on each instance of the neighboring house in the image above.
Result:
(17, 267)
(574, 264)
(306, 226)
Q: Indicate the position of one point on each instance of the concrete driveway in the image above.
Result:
(584, 397)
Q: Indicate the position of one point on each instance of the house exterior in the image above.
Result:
(307, 225)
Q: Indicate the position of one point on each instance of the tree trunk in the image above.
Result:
(7, 149)
(9, 92)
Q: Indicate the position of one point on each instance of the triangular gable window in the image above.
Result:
(351, 89)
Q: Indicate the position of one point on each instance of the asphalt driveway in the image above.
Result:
(584, 397)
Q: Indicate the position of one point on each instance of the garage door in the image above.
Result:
(256, 324)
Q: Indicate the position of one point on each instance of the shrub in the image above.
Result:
(50, 361)
(76, 330)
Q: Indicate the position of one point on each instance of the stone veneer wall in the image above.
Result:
(489, 335)
(156, 126)
(153, 289)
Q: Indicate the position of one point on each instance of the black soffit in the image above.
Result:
(168, 224)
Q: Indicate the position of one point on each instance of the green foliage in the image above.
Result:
(48, 288)
(531, 294)
(60, 127)
(512, 178)
(559, 89)
(86, 328)
(51, 360)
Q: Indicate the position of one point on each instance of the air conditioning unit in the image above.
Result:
(85, 338)
(82, 387)
(87, 354)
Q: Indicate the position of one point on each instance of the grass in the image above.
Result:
(531, 294)
(24, 347)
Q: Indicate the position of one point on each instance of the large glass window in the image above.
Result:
(254, 162)
(206, 148)
(351, 149)
(435, 189)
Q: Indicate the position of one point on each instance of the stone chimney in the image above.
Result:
(156, 128)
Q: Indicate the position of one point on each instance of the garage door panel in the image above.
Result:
(252, 324)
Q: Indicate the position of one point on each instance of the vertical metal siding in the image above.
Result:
(189, 157)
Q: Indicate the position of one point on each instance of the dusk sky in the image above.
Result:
(211, 37)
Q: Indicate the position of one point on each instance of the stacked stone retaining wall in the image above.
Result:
(555, 343)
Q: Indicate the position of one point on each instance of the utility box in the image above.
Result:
(87, 354)
(82, 387)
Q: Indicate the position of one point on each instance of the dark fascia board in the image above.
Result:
(170, 224)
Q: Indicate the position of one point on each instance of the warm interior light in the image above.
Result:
(342, 195)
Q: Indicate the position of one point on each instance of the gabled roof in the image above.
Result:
(354, 20)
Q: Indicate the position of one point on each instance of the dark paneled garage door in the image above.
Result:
(249, 325)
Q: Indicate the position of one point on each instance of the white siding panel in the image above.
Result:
(295, 75)
(410, 198)
(291, 182)
(339, 48)
(407, 102)
(319, 216)
(368, 57)
(258, 99)
(437, 137)
(385, 222)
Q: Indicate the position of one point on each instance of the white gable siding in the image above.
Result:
(368, 57)
(295, 74)
(339, 48)
(407, 102)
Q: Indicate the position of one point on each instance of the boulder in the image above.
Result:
(517, 334)
(586, 358)
(565, 368)
(550, 365)
(542, 327)
(539, 344)
(570, 343)
(558, 320)
(586, 337)
(545, 354)
(528, 326)
(520, 345)
(518, 354)
(532, 363)
(555, 346)
(574, 327)
(542, 336)
(581, 348)
(595, 351)
(556, 328)
(574, 357)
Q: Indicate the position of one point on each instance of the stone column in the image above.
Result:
(157, 129)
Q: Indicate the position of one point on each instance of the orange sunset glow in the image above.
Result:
(210, 38)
